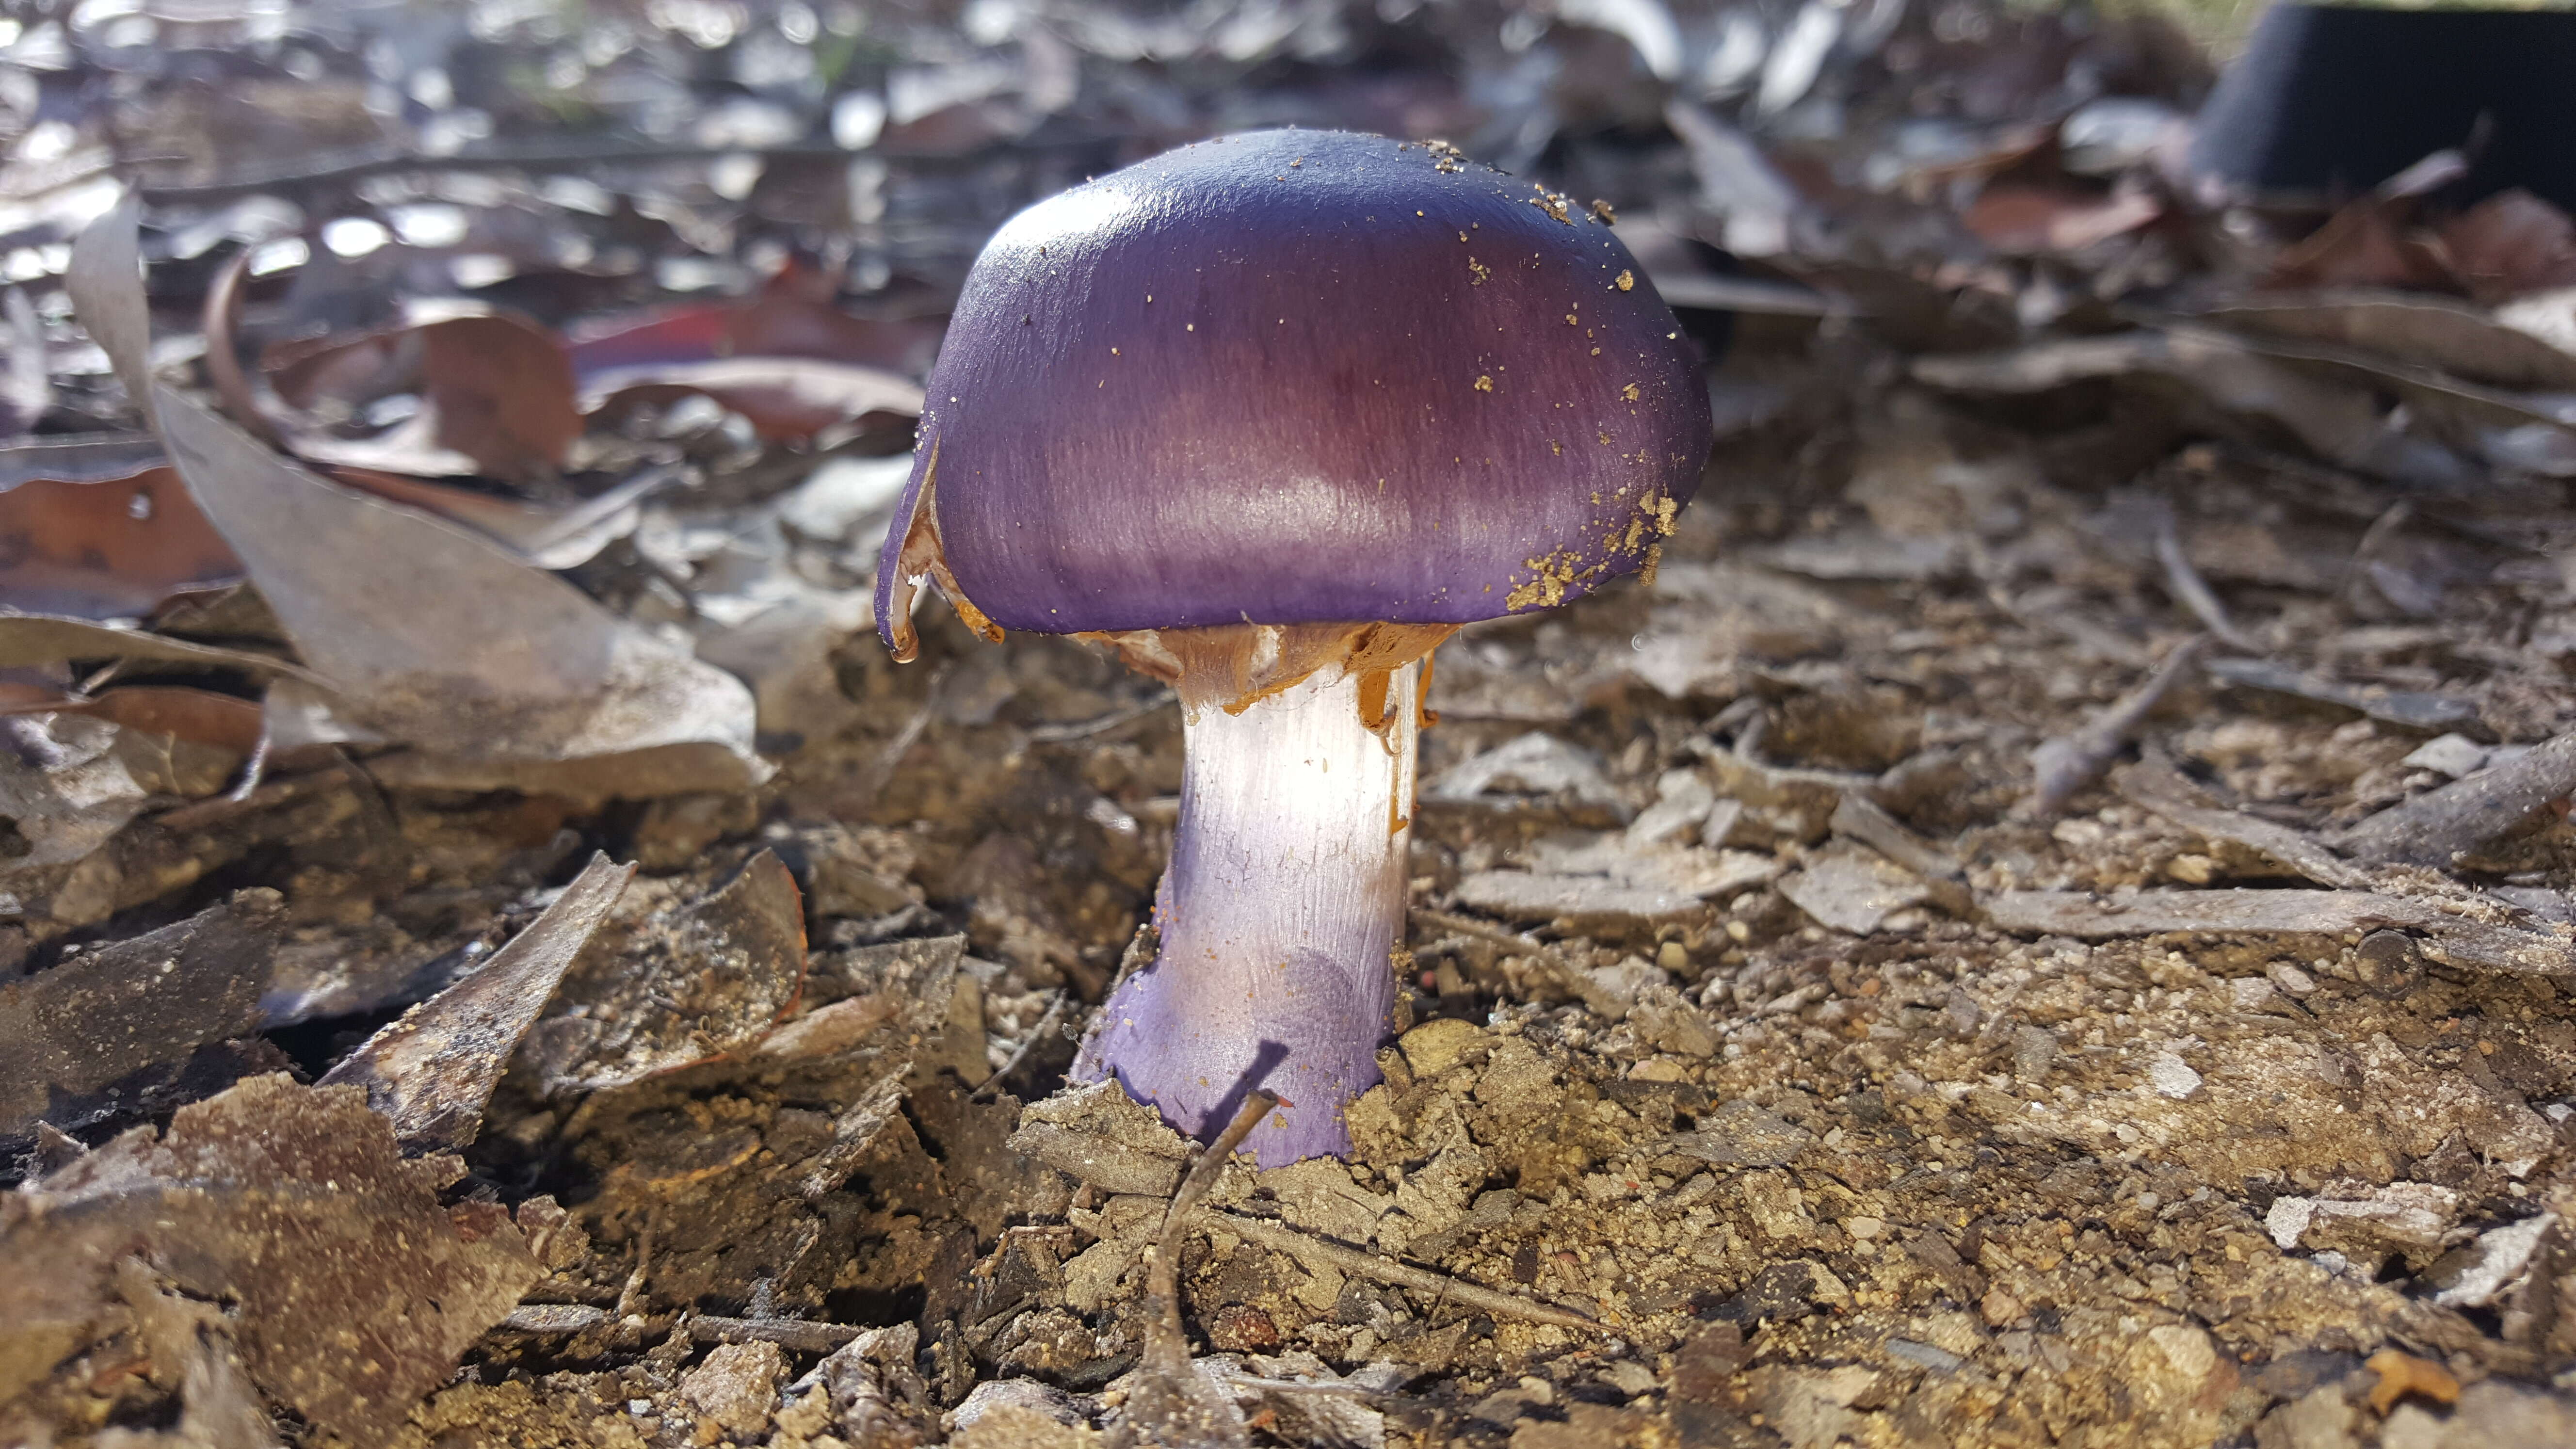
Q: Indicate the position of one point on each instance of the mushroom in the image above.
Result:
(1271, 416)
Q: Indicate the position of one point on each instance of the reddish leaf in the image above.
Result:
(495, 388)
(2024, 220)
(788, 399)
(2509, 244)
(108, 549)
(204, 716)
(222, 720)
(792, 317)
(2367, 244)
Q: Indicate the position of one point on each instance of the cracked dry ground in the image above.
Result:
(1735, 1027)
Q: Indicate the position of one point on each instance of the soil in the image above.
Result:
(1827, 1155)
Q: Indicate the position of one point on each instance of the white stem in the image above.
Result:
(1279, 917)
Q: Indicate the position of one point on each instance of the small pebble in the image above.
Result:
(1630, 1377)
(2291, 980)
(2001, 1308)
(1438, 1044)
(2173, 1076)
(2452, 755)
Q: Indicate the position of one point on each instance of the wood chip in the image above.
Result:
(1282, 1238)
(2216, 912)
(2437, 827)
(1853, 889)
(2158, 786)
(431, 1072)
(2414, 709)
(2475, 946)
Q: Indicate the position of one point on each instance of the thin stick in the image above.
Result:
(802, 1334)
(2194, 591)
(2396, 517)
(862, 792)
(1102, 724)
(1046, 1023)
(1481, 930)
(1163, 1278)
(1298, 1245)
(2064, 764)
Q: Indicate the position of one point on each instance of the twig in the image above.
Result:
(1481, 930)
(255, 769)
(565, 1319)
(1298, 1245)
(1171, 1404)
(1163, 1277)
(863, 793)
(2356, 568)
(801, 1334)
(284, 790)
(2434, 828)
(590, 511)
(1102, 724)
(1055, 1008)
(2193, 591)
(2064, 764)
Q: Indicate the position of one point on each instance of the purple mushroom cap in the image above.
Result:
(1302, 377)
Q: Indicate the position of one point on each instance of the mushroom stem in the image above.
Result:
(1279, 916)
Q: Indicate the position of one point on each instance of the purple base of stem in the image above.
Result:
(1316, 1058)
(1283, 904)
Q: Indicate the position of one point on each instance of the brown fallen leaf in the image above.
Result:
(792, 316)
(499, 674)
(788, 360)
(2369, 242)
(431, 1072)
(787, 399)
(351, 1292)
(105, 1031)
(2337, 423)
(109, 549)
(2430, 331)
(202, 716)
(27, 640)
(665, 983)
(551, 537)
(79, 458)
(496, 394)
